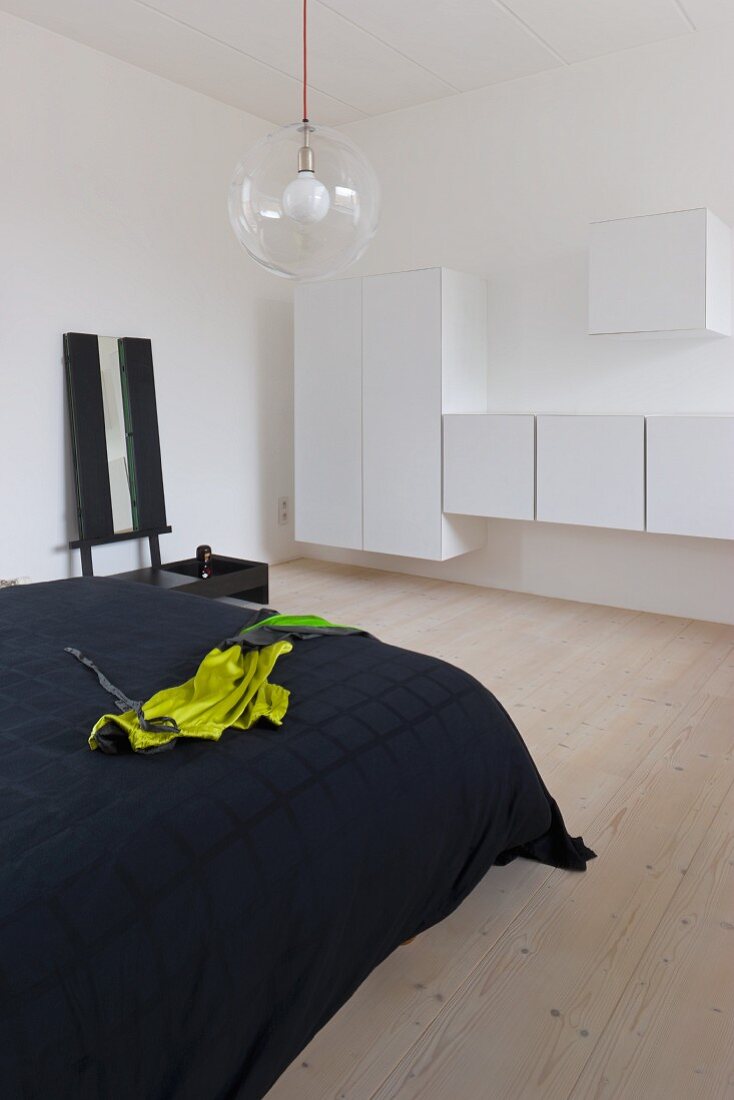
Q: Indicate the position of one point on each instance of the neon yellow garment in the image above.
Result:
(229, 689)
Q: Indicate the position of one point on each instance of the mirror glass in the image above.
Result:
(115, 435)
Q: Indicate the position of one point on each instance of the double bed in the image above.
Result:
(180, 925)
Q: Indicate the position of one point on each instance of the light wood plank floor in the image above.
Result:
(545, 984)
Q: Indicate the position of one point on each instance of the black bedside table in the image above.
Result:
(232, 578)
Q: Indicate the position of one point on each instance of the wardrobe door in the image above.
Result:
(328, 413)
(690, 475)
(489, 464)
(401, 344)
(591, 470)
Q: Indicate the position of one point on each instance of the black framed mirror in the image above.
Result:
(114, 434)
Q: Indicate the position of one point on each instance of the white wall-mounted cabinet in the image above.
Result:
(690, 475)
(661, 275)
(395, 452)
(378, 360)
(591, 470)
(489, 465)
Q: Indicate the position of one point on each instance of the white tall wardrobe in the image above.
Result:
(378, 360)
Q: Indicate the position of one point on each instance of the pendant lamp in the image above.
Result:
(304, 200)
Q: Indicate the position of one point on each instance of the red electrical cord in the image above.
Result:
(305, 63)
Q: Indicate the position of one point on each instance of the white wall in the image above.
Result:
(113, 220)
(504, 182)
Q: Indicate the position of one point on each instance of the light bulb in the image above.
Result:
(305, 199)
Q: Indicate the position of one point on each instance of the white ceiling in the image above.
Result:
(365, 56)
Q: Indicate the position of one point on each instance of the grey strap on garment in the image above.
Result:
(259, 636)
(124, 702)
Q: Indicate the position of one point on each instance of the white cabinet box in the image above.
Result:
(664, 274)
(489, 465)
(591, 470)
(690, 475)
(378, 360)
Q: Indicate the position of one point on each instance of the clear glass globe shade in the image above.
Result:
(305, 199)
(286, 245)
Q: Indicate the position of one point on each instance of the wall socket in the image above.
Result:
(284, 510)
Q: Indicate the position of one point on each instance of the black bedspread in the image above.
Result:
(179, 926)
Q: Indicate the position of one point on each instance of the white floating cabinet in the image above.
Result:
(591, 470)
(661, 275)
(489, 465)
(378, 360)
(690, 475)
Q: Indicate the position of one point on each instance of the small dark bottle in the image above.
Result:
(204, 559)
